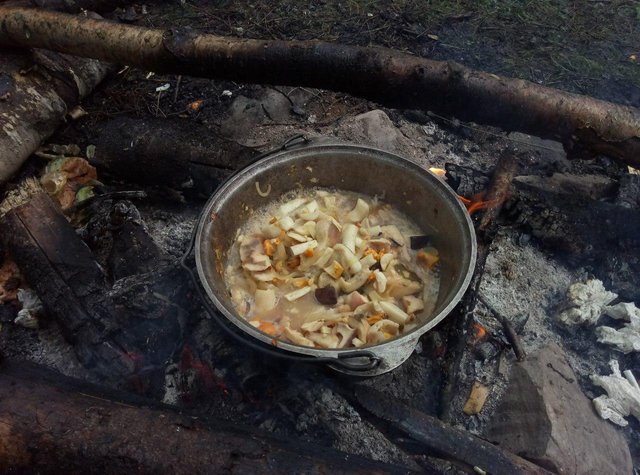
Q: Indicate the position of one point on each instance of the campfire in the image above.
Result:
(115, 358)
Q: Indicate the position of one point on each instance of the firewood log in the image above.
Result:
(584, 125)
(53, 424)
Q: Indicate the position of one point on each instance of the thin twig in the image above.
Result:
(509, 331)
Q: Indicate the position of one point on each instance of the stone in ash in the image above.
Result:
(545, 417)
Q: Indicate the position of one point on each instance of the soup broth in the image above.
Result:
(331, 269)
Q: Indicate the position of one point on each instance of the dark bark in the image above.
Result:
(165, 152)
(586, 126)
(123, 334)
(53, 424)
(462, 324)
(443, 440)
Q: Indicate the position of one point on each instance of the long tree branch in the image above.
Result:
(586, 126)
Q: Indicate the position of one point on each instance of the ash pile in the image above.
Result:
(539, 360)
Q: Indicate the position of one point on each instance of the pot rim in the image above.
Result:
(254, 169)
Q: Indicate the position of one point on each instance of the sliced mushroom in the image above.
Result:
(385, 325)
(296, 294)
(346, 334)
(265, 300)
(400, 287)
(324, 340)
(412, 304)
(361, 326)
(294, 336)
(312, 326)
(392, 232)
(355, 282)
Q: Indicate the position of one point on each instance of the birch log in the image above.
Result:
(586, 126)
(37, 89)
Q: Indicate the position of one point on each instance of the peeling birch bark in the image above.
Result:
(36, 91)
(586, 126)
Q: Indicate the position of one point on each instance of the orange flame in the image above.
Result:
(438, 171)
(477, 203)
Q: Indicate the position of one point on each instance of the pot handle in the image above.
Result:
(363, 360)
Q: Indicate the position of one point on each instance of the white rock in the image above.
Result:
(626, 340)
(623, 311)
(623, 395)
(588, 300)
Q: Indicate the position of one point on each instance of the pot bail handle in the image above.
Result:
(356, 361)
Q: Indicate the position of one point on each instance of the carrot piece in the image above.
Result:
(267, 327)
(371, 277)
(269, 248)
(427, 259)
(308, 253)
(375, 318)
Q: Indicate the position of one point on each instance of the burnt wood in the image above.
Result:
(168, 152)
(443, 440)
(123, 333)
(53, 424)
(461, 328)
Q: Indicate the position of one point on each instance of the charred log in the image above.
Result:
(114, 334)
(461, 326)
(584, 125)
(442, 440)
(53, 424)
(172, 153)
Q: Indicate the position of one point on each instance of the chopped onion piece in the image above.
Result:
(349, 232)
(290, 206)
(367, 261)
(355, 282)
(394, 313)
(385, 260)
(324, 258)
(357, 342)
(334, 269)
(286, 223)
(381, 281)
(297, 237)
(312, 326)
(296, 294)
(359, 212)
(300, 248)
(310, 228)
(350, 258)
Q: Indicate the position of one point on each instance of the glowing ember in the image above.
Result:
(478, 203)
(438, 171)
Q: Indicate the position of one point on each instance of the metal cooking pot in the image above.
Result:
(410, 188)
